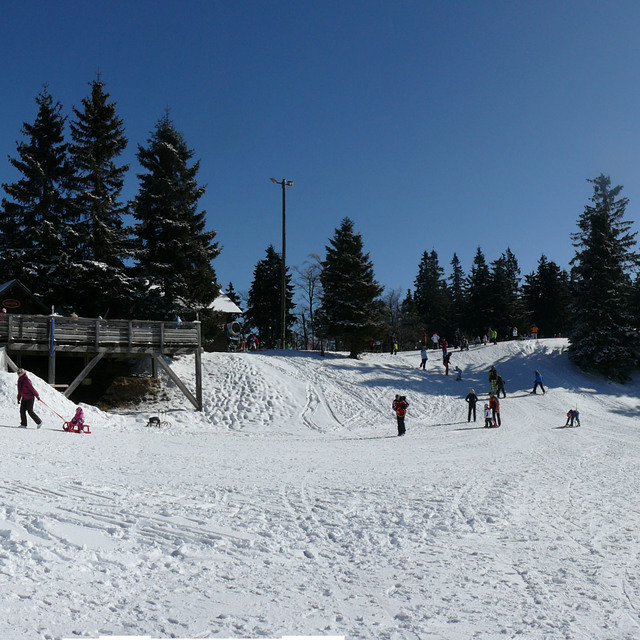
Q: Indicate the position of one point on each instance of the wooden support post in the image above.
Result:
(51, 374)
(199, 379)
(11, 365)
(198, 360)
(161, 361)
(83, 374)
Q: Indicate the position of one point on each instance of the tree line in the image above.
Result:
(63, 230)
(63, 233)
(596, 303)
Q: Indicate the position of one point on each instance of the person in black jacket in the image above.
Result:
(471, 399)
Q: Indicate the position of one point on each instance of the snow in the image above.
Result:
(289, 506)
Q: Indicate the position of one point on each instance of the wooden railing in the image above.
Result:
(57, 333)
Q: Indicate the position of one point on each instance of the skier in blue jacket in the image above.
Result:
(538, 382)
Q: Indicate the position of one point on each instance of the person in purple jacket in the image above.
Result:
(26, 395)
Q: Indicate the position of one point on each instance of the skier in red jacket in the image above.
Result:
(26, 396)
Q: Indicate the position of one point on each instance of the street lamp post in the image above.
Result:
(283, 302)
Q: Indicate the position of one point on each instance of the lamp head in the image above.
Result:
(274, 180)
(289, 183)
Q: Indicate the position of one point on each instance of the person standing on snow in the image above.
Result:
(500, 385)
(487, 417)
(471, 400)
(493, 379)
(538, 382)
(435, 338)
(494, 405)
(423, 355)
(26, 396)
(445, 362)
(400, 406)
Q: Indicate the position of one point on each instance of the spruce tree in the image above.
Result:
(264, 306)
(457, 293)
(430, 294)
(351, 310)
(40, 239)
(604, 337)
(173, 251)
(504, 293)
(232, 295)
(98, 140)
(478, 306)
(411, 325)
(546, 298)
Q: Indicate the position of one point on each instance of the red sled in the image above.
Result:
(73, 428)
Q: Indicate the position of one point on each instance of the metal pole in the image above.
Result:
(283, 302)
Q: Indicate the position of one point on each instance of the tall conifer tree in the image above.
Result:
(457, 292)
(40, 244)
(264, 306)
(478, 295)
(351, 310)
(546, 298)
(430, 295)
(98, 140)
(604, 337)
(173, 250)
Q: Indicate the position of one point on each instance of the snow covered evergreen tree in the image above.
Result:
(264, 307)
(173, 251)
(351, 310)
(604, 337)
(40, 241)
(98, 140)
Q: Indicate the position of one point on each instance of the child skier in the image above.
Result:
(458, 374)
(400, 406)
(488, 422)
(572, 414)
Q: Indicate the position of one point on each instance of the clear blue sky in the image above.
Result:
(433, 125)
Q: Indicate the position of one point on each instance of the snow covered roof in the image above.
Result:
(224, 304)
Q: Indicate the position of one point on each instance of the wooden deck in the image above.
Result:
(96, 338)
(91, 335)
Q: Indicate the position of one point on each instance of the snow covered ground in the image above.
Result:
(289, 506)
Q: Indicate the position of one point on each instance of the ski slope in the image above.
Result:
(289, 506)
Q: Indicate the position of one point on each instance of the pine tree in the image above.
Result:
(264, 306)
(40, 241)
(604, 338)
(478, 295)
(504, 296)
(351, 310)
(411, 325)
(232, 295)
(173, 252)
(430, 294)
(98, 140)
(457, 294)
(546, 298)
